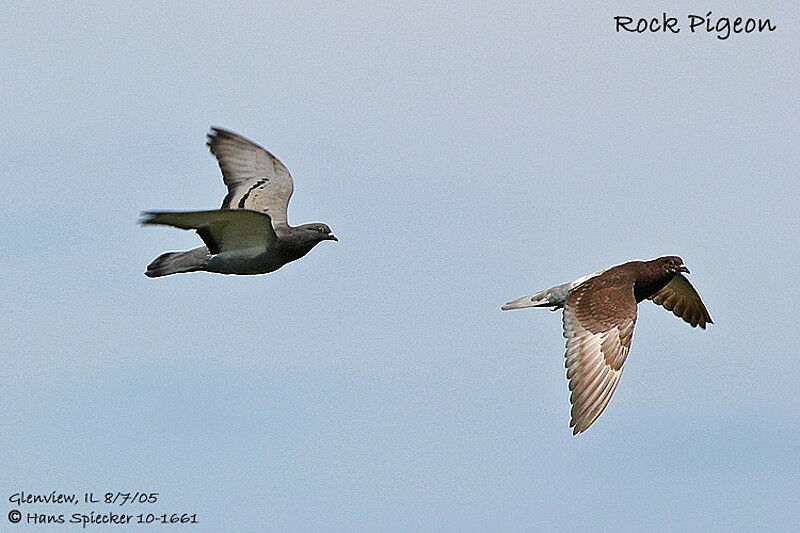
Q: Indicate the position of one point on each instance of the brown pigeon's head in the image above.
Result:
(672, 264)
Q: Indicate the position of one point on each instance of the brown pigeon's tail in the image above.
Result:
(553, 297)
(176, 262)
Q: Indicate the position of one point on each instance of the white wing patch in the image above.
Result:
(575, 283)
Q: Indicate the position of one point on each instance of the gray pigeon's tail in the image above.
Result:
(553, 297)
(176, 262)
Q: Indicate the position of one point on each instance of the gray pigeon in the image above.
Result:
(599, 315)
(250, 233)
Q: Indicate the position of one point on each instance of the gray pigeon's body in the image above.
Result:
(250, 233)
(246, 261)
(599, 316)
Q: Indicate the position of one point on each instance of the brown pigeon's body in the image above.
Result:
(599, 317)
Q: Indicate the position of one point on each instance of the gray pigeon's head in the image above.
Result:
(672, 264)
(314, 233)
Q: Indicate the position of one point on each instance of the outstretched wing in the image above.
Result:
(222, 230)
(598, 324)
(683, 300)
(255, 178)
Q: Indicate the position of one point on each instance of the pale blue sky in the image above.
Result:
(464, 154)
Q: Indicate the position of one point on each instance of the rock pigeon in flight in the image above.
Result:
(250, 233)
(599, 315)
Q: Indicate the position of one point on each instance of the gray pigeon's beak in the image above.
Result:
(331, 237)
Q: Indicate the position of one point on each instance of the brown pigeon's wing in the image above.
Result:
(222, 230)
(682, 299)
(255, 178)
(598, 324)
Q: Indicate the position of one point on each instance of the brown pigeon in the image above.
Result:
(599, 315)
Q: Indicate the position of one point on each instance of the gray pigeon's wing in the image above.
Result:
(683, 300)
(221, 229)
(255, 178)
(598, 324)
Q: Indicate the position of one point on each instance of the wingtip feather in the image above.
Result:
(147, 217)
